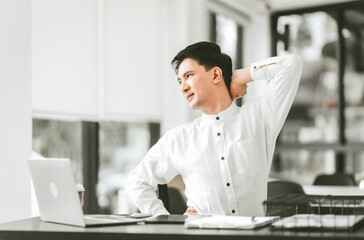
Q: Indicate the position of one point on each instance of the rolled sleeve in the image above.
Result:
(284, 74)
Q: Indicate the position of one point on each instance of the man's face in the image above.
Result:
(195, 83)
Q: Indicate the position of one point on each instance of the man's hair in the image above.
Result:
(208, 55)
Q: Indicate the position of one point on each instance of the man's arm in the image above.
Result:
(156, 168)
(239, 80)
(284, 74)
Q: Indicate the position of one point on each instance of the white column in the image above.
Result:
(15, 105)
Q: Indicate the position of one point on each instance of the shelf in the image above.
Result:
(349, 147)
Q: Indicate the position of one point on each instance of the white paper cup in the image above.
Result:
(361, 184)
(81, 192)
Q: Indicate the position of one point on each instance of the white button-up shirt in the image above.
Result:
(224, 159)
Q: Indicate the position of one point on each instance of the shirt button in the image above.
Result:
(233, 211)
(255, 67)
(218, 134)
(217, 118)
(228, 184)
(222, 158)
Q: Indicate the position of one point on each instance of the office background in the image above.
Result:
(91, 80)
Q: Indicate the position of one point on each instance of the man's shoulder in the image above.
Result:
(185, 127)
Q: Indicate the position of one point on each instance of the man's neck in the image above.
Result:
(218, 107)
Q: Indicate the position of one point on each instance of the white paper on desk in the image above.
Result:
(230, 222)
(328, 221)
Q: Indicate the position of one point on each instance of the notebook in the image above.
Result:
(173, 219)
(58, 199)
(167, 219)
(230, 222)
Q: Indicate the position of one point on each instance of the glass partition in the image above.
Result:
(314, 116)
(324, 131)
(353, 32)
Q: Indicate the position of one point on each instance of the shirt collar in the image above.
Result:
(230, 111)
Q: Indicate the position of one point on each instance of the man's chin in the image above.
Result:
(193, 106)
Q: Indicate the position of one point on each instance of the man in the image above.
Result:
(224, 156)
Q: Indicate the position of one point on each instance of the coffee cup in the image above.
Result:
(361, 184)
(81, 191)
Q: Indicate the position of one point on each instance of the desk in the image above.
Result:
(333, 190)
(34, 228)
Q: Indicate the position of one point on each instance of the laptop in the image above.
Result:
(58, 199)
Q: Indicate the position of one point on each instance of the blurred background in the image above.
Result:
(91, 80)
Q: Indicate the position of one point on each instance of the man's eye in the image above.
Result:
(179, 82)
(188, 75)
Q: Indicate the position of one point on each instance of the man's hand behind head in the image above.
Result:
(239, 80)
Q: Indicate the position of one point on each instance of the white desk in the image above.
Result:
(333, 190)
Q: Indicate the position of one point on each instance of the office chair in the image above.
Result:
(172, 199)
(177, 204)
(337, 179)
(279, 187)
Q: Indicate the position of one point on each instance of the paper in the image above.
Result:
(319, 221)
(230, 222)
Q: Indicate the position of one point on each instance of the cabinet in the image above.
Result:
(94, 59)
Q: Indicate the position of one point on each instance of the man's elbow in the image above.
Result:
(296, 61)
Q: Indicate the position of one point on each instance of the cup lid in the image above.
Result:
(80, 187)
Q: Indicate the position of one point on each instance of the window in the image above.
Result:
(120, 147)
(59, 139)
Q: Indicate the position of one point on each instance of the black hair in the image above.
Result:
(208, 55)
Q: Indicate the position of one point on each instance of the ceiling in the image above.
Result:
(280, 5)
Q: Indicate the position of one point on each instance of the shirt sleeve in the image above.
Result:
(284, 74)
(155, 168)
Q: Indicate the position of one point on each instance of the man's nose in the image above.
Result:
(184, 87)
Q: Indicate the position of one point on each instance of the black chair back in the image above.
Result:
(336, 179)
(172, 199)
(279, 187)
(177, 204)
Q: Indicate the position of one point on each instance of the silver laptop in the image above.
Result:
(57, 197)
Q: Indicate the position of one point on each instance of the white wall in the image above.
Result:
(15, 105)
(64, 57)
(184, 22)
(132, 58)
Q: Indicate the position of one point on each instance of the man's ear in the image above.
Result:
(217, 75)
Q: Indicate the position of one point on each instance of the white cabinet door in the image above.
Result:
(132, 58)
(64, 57)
